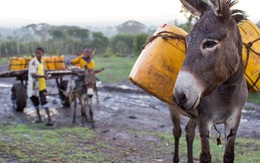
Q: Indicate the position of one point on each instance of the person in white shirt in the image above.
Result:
(37, 89)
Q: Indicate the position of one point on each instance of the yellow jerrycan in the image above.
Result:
(157, 67)
(49, 63)
(27, 60)
(60, 62)
(16, 64)
(251, 54)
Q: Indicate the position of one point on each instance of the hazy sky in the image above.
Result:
(96, 12)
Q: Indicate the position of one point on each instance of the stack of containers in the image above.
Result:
(60, 62)
(50, 63)
(17, 63)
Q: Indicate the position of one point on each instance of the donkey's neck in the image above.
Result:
(237, 77)
(234, 82)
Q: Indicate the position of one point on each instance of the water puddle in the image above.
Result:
(5, 85)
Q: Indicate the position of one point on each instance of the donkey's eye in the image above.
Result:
(209, 44)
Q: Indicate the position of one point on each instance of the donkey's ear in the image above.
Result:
(216, 6)
(220, 7)
(93, 53)
(98, 71)
(196, 7)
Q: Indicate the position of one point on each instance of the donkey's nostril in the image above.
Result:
(180, 99)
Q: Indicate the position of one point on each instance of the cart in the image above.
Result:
(19, 92)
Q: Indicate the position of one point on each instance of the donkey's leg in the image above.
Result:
(74, 99)
(176, 121)
(96, 92)
(204, 130)
(97, 98)
(232, 127)
(83, 110)
(190, 134)
(91, 113)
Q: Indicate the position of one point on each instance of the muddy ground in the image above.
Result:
(123, 107)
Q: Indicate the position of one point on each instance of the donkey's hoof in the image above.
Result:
(93, 126)
(229, 158)
(37, 120)
(49, 123)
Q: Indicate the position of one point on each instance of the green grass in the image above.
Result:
(246, 150)
(117, 69)
(3, 60)
(35, 143)
(254, 97)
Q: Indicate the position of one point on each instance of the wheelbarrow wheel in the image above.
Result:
(18, 97)
(64, 100)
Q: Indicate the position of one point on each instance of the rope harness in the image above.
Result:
(164, 35)
(249, 48)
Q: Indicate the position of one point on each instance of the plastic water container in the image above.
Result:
(60, 62)
(157, 67)
(16, 63)
(27, 60)
(49, 63)
(251, 54)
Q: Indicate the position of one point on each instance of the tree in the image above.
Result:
(139, 41)
(122, 44)
(57, 35)
(188, 25)
(99, 42)
(43, 31)
(131, 27)
(78, 33)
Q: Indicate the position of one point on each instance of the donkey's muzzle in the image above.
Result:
(187, 90)
(90, 92)
(180, 99)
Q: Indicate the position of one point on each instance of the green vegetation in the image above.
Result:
(117, 69)
(71, 39)
(254, 97)
(3, 60)
(34, 143)
(246, 150)
(37, 143)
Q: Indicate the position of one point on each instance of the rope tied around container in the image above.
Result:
(249, 48)
(165, 35)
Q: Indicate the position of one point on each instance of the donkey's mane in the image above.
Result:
(238, 15)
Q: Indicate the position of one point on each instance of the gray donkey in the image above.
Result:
(210, 87)
(83, 87)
